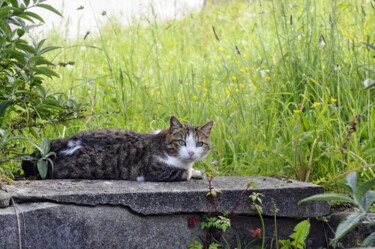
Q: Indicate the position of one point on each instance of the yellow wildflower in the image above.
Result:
(268, 78)
(245, 56)
(198, 85)
(234, 77)
(297, 111)
(247, 68)
(218, 58)
(227, 92)
(242, 85)
(155, 93)
(242, 70)
(254, 75)
(332, 100)
(195, 97)
(206, 90)
(315, 104)
(221, 48)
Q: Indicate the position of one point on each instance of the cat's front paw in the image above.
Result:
(196, 174)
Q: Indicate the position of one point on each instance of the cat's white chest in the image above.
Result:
(175, 162)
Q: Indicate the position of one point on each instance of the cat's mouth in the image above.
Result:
(189, 159)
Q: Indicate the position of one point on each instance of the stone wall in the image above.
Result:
(124, 214)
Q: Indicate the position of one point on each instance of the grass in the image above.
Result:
(281, 79)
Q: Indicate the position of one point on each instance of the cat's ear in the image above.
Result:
(206, 128)
(174, 123)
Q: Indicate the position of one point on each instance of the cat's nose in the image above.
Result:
(191, 153)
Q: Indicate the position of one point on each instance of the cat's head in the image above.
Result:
(186, 142)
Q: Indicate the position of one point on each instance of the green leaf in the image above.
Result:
(351, 181)
(348, 224)
(369, 240)
(367, 200)
(28, 140)
(5, 27)
(25, 47)
(14, 3)
(45, 71)
(41, 90)
(285, 244)
(3, 106)
(46, 145)
(47, 49)
(363, 188)
(33, 15)
(214, 246)
(301, 231)
(26, 17)
(50, 8)
(20, 32)
(42, 168)
(40, 60)
(329, 197)
(15, 54)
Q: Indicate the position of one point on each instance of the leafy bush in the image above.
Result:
(362, 197)
(25, 102)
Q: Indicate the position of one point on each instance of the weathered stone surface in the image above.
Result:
(153, 198)
(56, 226)
(64, 226)
(4, 199)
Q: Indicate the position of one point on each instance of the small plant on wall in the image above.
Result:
(362, 197)
(217, 223)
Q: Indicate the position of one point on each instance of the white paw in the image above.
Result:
(196, 174)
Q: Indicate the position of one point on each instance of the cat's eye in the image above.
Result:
(199, 144)
(182, 142)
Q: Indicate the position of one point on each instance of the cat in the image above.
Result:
(163, 155)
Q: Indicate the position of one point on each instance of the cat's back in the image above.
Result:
(103, 154)
(102, 137)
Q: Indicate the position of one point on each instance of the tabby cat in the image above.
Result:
(163, 155)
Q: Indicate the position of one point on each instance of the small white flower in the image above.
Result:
(69, 67)
(337, 67)
(249, 14)
(263, 73)
(368, 82)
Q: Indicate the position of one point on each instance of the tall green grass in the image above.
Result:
(281, 79)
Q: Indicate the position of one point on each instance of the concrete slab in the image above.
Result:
(154, 198)
(4, 199)
(64, 226)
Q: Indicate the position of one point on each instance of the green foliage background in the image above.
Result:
(283, 81)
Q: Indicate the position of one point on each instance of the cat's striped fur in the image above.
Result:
(164, 155)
